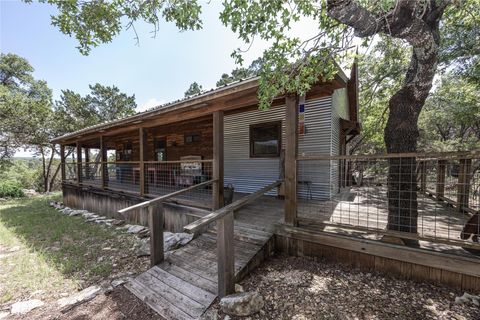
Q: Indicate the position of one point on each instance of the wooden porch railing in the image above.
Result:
(155, 219)
(225, 228)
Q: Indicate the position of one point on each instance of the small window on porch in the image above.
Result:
(192, 138)
(160, 149)
(265, 140)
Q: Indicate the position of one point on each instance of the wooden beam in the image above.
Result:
(103, 161)
(79, 163)
(62, 162)
(142, 133)
(218, 174)
(463, 190)
(155, 223)
(291, 147)
(441, 170)
(225, 255)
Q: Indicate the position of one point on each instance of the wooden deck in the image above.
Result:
(185, 284)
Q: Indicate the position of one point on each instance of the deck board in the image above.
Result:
(185, 284)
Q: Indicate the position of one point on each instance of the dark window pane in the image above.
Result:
(265, 140)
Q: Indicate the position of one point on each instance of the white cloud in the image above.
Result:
(152, 102)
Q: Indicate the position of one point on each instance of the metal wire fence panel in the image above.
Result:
(123, 176)
(170, 176)
(420, 196)
(91, 173)
(70, 171)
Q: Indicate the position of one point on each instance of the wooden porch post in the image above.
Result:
(218, 159)
(226, 256)
(103, 164)
(440, 188)
(87, 163)
(463, 191)
(142, 133)
(62, 162)
(79, 163)
(291, 135)
(423, 176)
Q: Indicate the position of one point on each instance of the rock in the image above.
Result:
(468, 298)
(24, 307)
(242, 304)
(238, 288)
(144, 248)
(227, 317)
(4, 315)
(30, 192)
(118, 282)
(172, 241)
(135, 228)
(118, 222)
(78, 298)
(144, 233)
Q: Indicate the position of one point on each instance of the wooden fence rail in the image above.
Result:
(155, 219)
(225, 237)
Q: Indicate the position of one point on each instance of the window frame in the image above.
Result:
(261, 125)
(192, 134)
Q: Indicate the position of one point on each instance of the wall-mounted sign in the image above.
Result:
(301, 118)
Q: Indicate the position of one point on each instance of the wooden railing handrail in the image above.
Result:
(422, 156)
(165, 197)
(215, 215)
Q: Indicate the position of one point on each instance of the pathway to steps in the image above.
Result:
(184, 285)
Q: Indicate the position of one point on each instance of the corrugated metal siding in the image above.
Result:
(316, 141)
(339, 110)
(249, 174)
(245, 173)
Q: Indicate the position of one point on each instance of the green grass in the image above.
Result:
(53, 252)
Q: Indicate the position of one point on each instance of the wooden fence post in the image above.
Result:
(441, 169)
(79, 163)
(62, 162)
(143, 151)
(225, 255)
(155, 223)
(291, 137)
(463, 187)
(218, 159)
(104, 164)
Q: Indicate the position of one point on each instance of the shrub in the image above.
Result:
(10, 189)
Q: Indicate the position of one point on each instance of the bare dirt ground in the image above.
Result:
(302, 288)
(119, 304)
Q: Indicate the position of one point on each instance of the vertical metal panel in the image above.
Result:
(249, 174)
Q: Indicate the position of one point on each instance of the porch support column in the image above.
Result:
(62, 162)
(103, 162)
(291, 148)
(79, 163)
(142, 133)
(218, 159)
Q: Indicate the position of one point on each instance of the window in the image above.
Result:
(160, 150)
(127, 151)
(192, 138)
(265, 140)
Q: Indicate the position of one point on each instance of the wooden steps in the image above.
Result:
(185, 284)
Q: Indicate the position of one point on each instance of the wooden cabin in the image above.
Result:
(221, 134)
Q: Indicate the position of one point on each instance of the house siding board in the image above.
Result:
(249, 174)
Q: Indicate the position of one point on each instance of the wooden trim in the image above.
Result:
(422, 156)
(291, 150)
(444, 261)
(218, 159)
(262, 125)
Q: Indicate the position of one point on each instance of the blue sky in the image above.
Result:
(158, 70)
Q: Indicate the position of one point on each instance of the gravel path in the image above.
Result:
(302, 288)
